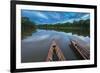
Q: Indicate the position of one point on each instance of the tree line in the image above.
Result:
(81, 24)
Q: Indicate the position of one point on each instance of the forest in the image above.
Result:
(27, 27)
(81, 24)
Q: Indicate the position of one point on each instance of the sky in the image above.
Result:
(52, 17)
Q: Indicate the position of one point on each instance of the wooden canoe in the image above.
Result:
(82, 51)
(55, 53)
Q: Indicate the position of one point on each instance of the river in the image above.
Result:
(35, 48)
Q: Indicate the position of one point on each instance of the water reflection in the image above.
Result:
(37, 45)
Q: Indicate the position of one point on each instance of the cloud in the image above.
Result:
(41, 15)
(30, 13)
(47, 17)
(55, 15)
(86, 16)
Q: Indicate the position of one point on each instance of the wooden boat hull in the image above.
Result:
(55, 53)
(82, 52)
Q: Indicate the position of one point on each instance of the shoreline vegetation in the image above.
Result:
(27, 27)
(81, 27)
